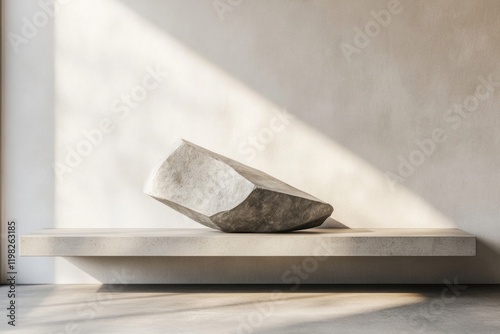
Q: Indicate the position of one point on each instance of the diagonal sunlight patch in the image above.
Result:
(107, 56)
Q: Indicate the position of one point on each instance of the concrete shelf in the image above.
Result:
(205, 242)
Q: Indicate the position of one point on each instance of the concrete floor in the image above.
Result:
(253, 309)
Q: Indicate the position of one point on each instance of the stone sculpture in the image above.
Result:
(229, 196)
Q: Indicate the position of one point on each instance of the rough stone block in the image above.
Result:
(226, 195)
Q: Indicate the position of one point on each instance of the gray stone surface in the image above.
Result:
(226, 195)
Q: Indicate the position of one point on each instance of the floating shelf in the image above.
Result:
(205, 242)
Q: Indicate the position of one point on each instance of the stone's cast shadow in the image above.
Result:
(332, 223)
(329, 224)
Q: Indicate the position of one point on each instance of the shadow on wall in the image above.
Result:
(414, 102)
(396, 96)
(390, 96)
